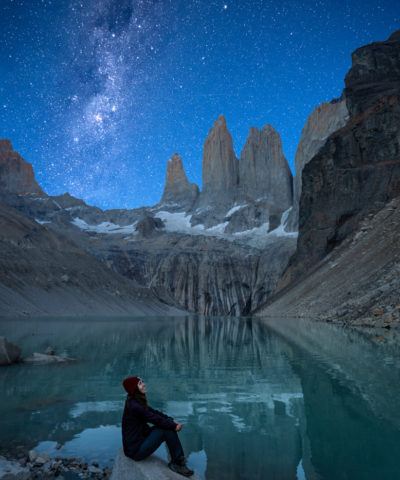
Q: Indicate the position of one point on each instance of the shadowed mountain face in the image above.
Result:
(323, 121)
(357, 171)
(348, 250)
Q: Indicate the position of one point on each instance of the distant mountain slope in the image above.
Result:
(358, 282)
(44, 273)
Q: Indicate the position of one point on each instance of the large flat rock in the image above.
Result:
(152, 468)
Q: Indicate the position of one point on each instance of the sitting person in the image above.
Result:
(138, 439)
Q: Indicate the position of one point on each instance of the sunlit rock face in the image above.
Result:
(220, 165)
(263, 169)
(16, 175)
(323, 121)
(178, 191)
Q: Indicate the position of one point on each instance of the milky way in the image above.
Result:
(98, 94)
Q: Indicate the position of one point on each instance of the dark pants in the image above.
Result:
(155, 438)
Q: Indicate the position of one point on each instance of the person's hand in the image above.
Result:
(178, 427)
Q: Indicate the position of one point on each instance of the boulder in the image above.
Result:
(148, 225)
(152, 468)
(9, 353)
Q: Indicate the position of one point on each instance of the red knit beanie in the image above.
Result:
(130, 384)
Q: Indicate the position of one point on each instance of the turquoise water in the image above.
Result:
(283, 400)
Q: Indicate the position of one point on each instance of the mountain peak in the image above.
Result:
(178, 190)
(5, 145)
(220, 165)
(263, 168)
(16, 175)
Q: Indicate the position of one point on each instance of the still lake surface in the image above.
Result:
(282, 400)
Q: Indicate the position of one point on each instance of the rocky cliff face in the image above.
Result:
(178, 191)
(220, 165)
(375, 73)
(16, 175)
(202, 274)
(357, 171)
(263, 169)
(323, 121)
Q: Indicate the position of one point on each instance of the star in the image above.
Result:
(98, 118)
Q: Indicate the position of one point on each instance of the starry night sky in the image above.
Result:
(97, 94)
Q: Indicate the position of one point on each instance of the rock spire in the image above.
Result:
(263, 169)
(178, 190)
(220, 165)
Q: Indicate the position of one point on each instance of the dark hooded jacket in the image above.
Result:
(134, 424)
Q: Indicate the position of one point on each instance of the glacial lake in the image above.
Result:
(276, 400)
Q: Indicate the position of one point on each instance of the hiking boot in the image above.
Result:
(181, 469)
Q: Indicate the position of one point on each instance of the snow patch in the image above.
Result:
(235, 209)
(104, 227)
(280, 230)
(218, 229)
(255, 237)
(42, 222)
(179, 222)
(203, 209)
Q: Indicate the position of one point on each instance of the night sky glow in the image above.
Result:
(97, 94)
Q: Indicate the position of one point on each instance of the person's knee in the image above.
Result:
(170, 433)
(160, 432)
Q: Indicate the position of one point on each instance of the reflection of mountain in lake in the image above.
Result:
(262, 401)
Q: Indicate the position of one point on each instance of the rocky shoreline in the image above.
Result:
(23, 464)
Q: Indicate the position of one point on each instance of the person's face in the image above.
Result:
(141, 386)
